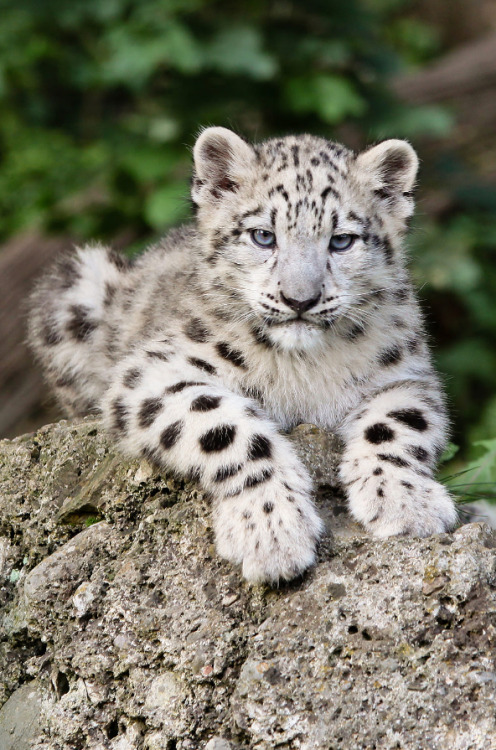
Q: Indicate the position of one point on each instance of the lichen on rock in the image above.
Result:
(122, 629)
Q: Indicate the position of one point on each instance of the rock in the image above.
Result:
(20, 717)
(121, 628)
(59, 573)
(218, 743)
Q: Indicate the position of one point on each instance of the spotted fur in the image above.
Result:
(199, 352)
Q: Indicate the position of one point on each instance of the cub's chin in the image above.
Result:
(295, 335)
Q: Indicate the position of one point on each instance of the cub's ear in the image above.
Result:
(221, 158)
(391, 168)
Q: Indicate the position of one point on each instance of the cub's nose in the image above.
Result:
(300, 305)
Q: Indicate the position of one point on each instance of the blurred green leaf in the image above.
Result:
(411, 122)
(134, 55)
(332, 97)
(449, 452)
(327, 52)
(167, 205)
(483, 466)
(147, 162)
(239, 49)
(417, 40)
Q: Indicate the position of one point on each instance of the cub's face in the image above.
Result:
(302, 233)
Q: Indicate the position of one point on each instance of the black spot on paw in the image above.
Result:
(395, 460)
(202, 365)
(411, 417)
(419, 453)
(268, 507)
(226, 472)
(80, 326)
(205, 403)
(260, 447)
(377, 471)
(178, 387)
(232, 355)
(408, 485)
(149, 409)
(195, 330)
(171, 435)
(256, 479)
(379, 433)
(218, 438)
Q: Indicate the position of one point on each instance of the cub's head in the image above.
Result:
(301, 234)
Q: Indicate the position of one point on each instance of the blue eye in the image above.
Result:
(341, 242)
(263, 238)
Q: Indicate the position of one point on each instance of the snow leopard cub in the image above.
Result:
(286, 301)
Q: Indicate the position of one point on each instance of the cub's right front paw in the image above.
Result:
(272, 530)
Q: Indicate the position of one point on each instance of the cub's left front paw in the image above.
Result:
(410, 506)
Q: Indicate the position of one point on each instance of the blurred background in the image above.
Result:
(101, 100)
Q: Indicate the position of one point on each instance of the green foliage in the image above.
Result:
(449, 452)
(100, 100)
(483, 467)
(331, 97)
(454, 261)
(99, 97)
(478, 477)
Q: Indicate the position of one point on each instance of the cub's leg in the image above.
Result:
(392, 443)
(180, 416)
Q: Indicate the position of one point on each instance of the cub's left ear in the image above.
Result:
(391, 167)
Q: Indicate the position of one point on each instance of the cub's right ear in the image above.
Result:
(221, 159)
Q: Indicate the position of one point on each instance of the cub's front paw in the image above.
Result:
(412, 505)
(272, 530)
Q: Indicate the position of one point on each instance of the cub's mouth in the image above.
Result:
(302, 324)
(294, 322)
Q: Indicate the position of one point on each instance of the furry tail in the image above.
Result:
(68, 328)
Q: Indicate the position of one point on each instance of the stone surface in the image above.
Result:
(131, 634)
(218, 743)
(20, 717)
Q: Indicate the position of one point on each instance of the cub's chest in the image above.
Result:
(297, 388)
